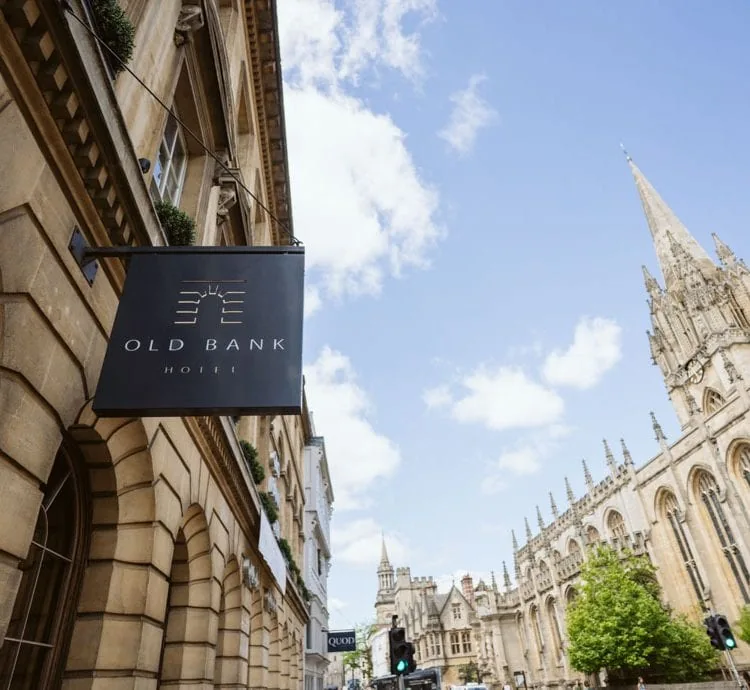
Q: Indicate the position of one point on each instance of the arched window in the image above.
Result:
(36, 645)
(570, 595)
(536, 630)
(521, 629)
(708, 492)
(592, 535)
(543, 569)
(743, 461)
(574, 548)
(616, 525)
(554, 624)
(671, 512)
(712, 401)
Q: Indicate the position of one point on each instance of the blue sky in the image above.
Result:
(467, 212)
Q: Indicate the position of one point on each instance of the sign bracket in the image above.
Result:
(86, 257)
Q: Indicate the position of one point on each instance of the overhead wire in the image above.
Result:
(292, 239)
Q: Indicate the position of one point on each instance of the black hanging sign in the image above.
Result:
(342, 641)
(206, 330)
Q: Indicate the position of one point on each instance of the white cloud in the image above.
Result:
(525, 458)
(445, 582)
(357, 193)
(470, 114)
(312, 300)
(335, 604)
(440, 396)
(325, 45)
(596, 348)
(358, 542)
(357, 454)
(360, 203)
(506, 398)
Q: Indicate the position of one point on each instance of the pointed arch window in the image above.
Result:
(712, 401)
(536, 630)
(35, 646)
(616, 525)
(574, 548)
(708, 492)
(743, 461)
(554, 623)
(592, 535)
(671, 511)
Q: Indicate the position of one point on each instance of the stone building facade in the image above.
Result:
(687, 509)
(318, 510)
(129, 548)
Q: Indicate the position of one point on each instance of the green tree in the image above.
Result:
(361, 658)
(744, 624)
(468, 673)
(619, 623)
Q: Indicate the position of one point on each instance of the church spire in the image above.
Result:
(587, 476)
(725, 254)
(506, 577)
(539, 518)
(553, 506)
(569, 492)
(626, 453)
(611, 463)
(663, 222)
(529, 535)
(384, 562)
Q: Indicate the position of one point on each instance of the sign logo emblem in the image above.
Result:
(190, 301)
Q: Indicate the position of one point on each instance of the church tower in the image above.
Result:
(385, 604)
(700, 335)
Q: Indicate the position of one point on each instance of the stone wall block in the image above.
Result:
(133, 470)
(169, 467)
(137, 505)
(127, 439)
(20, 500)
(10, 578)
(163, 542)
(84, 646)
(169, 509)
(135, 543)
(22, 156)
(94, 593)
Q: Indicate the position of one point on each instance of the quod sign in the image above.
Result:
(206, 330)
(342, 641)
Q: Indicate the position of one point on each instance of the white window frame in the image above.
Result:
(164, 165)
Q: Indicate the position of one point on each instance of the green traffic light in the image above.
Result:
(730, 643)
(401, 666)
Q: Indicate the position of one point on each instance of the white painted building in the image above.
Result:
(381, 665)
(318, 509)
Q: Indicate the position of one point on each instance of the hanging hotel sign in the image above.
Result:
(342, 641)
(206, 330)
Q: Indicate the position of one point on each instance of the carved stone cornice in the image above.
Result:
(263, 42)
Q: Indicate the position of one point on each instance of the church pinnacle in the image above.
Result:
(667, 231)
(384, 562)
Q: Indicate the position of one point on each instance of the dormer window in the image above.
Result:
(456, 609)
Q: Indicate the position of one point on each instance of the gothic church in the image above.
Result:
(687, 509)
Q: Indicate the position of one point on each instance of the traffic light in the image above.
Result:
(720, 633)
(400, 651)
(411, 663)
(713, 633)
(725, 633)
